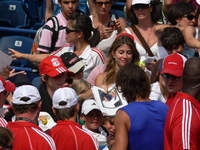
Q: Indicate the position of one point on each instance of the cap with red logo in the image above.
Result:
(52, 66)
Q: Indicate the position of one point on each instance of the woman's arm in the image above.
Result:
(120, 24)
(49, 11)
(31, 57)
(99, 80)
(189, 35)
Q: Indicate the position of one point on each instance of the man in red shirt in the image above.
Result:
(26, 105)
(68, 134)
(172, 71)
(182, 126)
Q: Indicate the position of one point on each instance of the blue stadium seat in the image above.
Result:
(20, 43)
(117, 9)
(12, 14)
(118, 13)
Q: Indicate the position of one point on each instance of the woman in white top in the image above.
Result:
(145, 17)
(81, 38)
(108, 24)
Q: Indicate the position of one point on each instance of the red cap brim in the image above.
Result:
(9, 86)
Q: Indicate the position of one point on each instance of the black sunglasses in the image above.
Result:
(69, 31)
(69, 80)
(8, 147)
(189, 16)
(106, 3)
(167, 76)
(141, 6)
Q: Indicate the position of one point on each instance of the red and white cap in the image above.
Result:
(52, 66)
(6, 85)
(174, 64)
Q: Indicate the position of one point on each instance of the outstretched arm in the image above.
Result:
(31, 57)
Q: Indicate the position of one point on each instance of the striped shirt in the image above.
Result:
(182, 127)
(69, 135)
(3, 122)
(29, 136)
(47, 32)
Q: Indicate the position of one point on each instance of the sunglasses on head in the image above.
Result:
(69, 31)
(141, 6)
(168, 76)
(189, 16)
(106, 3)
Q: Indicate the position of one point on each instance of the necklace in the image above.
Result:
(149, 34)
(25, 119)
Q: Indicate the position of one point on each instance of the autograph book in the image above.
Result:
(109, 102)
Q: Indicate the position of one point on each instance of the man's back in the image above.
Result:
(72, 136)
(30, 137)
(182, 129)
(146, 124)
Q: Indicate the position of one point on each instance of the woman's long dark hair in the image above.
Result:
(83, 23)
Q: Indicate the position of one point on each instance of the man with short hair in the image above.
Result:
(26, 105)
(172, 71)
(68, 8)
(182, 126)
(5, 88)
(68, 134)
(172, 40)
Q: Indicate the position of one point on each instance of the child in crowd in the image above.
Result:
(93, 118)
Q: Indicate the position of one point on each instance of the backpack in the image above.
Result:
(54, 36)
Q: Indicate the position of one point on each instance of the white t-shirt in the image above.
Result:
(101, 137)
(156, 93)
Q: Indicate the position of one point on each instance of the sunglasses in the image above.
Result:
(167, 76)
(141, 6)
(8, 147)
(106, 3)
(69, 31)
(69, 80)
(189, 16)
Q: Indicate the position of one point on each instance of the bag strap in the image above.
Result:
(144, 43)
(55, 32)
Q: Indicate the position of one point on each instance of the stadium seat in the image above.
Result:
(20, 43)
(12, 14)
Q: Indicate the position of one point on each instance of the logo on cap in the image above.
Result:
(93, 104)
(73, 60)
(55, 62)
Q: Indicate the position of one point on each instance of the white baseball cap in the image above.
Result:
(134, 2)
(89, 105)
(66, 95)
(28, 91)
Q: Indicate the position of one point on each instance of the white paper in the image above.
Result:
(109, 102)
(5, 60)
(149, 59)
